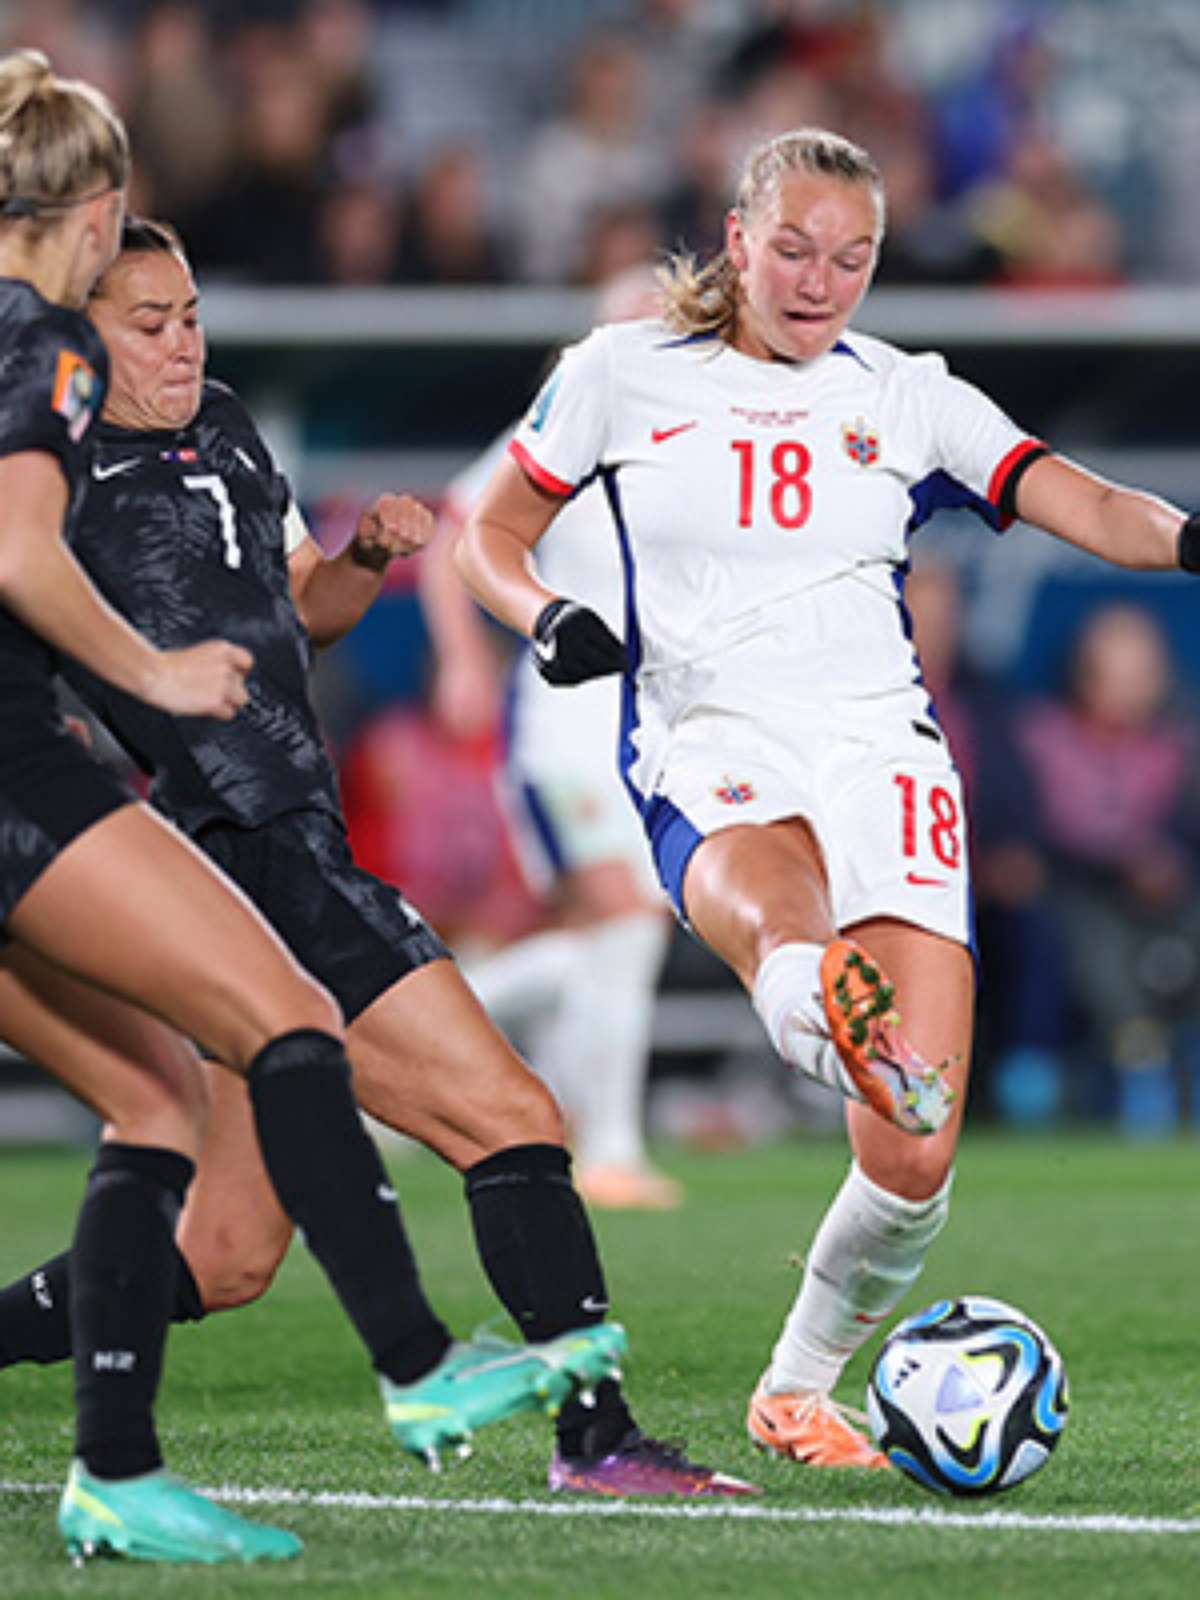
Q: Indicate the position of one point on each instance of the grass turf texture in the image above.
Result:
(1095, 1239)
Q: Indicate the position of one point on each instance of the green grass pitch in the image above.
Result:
(1099, 1241)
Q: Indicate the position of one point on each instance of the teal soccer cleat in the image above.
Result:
(489, 1379)
(156, 1518)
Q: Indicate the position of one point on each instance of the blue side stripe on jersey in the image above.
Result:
(672, 837)
(633, 637)
(942, 492)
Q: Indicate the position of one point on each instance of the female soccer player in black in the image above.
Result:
(185, 520)
(99, 898)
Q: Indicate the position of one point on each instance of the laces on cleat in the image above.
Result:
(587, 1397)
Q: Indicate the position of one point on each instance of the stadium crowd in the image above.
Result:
(482, 141)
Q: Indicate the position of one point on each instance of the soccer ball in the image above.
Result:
(967, 1397)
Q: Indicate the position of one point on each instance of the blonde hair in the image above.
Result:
(60, 140)
(704, 299)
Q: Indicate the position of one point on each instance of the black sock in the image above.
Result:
(331, 1182)
(35, 1320)
(35, 1317)
(537, 1248)
(122, 1285)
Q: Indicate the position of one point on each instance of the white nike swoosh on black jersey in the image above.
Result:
(100, 472)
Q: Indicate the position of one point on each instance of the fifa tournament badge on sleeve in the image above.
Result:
(76, 393)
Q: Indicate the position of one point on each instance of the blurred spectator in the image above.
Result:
(180, 114)
(448, 236)
(337, 36)
(1048, 230)
(599, 153)
(618, 238)
(422, 811)
(264, 223)
(984, 112)
(1023, 979)
(82, 41)
(693, 210)
(926, 242)
(1113, 764)
(359, 231)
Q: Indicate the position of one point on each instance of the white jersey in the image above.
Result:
(763, 511)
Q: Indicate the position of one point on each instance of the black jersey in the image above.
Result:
(183, 532)
(53, 375)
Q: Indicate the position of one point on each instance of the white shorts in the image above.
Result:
(882, 797)
(561, 791)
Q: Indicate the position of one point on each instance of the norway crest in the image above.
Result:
(734, 793)
(861, 442)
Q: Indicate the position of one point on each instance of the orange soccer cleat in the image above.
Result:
(809, 1426)
(864, 1026)
(613, 1188)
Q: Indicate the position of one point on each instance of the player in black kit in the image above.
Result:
(64, 164)
(100, 898)
(187, 519)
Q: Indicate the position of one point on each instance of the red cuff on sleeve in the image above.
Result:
(543, 479)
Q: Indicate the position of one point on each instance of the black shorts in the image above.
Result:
(348, 928)
(51, 791)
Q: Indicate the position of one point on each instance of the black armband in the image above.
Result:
(1189, 544)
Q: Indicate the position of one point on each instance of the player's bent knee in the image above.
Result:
(301, 1003)
(915, 1173)
(227, 1282)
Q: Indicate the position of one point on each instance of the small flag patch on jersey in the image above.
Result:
(76, 392)
(730, 793)
(861, 443)
(179, 455)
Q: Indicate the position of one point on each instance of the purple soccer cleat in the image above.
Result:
(643, 1466)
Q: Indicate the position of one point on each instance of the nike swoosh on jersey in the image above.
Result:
(925, 883)
(100, 472)
(661, 435)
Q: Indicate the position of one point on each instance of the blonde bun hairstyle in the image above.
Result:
(61, 142)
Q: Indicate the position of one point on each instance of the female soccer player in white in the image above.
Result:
(765, 468)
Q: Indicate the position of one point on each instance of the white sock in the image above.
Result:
(787, 996)
(600, 1047)
(868, 1251)
(518, 982)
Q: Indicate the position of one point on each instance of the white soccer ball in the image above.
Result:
(967, 1397)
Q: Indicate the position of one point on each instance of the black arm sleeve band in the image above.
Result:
(1007, 503)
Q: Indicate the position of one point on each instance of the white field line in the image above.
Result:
(891, 1517)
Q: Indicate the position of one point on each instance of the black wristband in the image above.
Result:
(1189, 544)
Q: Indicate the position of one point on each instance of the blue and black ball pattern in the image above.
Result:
(968, 1397)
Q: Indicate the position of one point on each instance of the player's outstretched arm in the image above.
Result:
(43, 584)
(332, 595)
(1125, 526)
